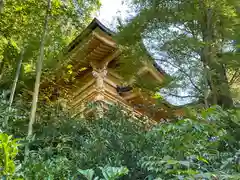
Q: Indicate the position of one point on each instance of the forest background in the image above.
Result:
(197, 42)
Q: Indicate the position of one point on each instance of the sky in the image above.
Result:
(110, 10)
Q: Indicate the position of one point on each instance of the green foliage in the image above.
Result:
(8, 152)
(196, 148)
(21, 27)
(88, 173)
(204, 145)
(17, 116)
(109, 173)
(112, 173)
(184, 37)
(84, 145)
(53, 168)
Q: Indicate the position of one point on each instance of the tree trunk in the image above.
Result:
(218, 83)
(14, 86)
(217, 79)
(205, 86)
(1, 6)
(221, 86)
(16, 78)
(1, 69)
(37, 81)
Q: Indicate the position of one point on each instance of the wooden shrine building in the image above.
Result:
(91, 59)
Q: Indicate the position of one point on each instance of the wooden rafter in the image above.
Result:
(105, 40)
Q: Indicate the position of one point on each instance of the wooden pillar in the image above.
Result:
(82, 106)
(100, 75)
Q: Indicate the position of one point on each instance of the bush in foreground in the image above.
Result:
(204, 146)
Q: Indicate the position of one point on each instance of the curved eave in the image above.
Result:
(97, 24)
(91, 27)
(156, 66)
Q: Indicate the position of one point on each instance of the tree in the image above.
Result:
(14, 86)
(57, 10)
(38, 76)
(21, 25)
(192, 36)
(20, 28)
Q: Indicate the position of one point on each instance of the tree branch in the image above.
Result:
(186, 96)
(186, 74)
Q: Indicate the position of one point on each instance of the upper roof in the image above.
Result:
(93, 25)
(97, 24)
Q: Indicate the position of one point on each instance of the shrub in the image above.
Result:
(8, 152)
(203, 146)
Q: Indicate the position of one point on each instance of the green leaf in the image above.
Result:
(112, 173)
(202, 159)
(88, 173)
(185, 163)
